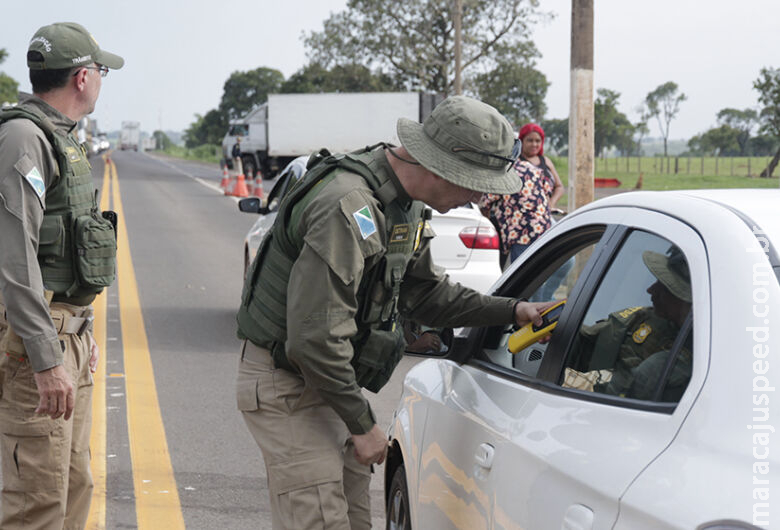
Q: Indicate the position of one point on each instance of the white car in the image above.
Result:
(466, 244)
(581, 431)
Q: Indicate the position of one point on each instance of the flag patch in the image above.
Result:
(365, 221)
(36, 181)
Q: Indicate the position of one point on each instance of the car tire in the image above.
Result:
(397, 510)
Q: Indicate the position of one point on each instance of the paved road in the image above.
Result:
(176, 451)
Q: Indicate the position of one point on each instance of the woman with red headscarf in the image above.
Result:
(524, 216)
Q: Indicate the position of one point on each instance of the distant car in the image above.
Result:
(651, 407)
(466, 244)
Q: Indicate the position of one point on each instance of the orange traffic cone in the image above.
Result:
(239, 190)
(225, 179)
(258, 192)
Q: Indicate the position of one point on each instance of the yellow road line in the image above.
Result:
(97, 437)
(156, 497)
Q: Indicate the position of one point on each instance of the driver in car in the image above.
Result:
(627, 352)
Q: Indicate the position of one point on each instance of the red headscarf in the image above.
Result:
(529, 128)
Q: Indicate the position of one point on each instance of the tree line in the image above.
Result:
(376, 46)
(738, 132)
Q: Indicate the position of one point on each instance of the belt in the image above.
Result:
(71, 320)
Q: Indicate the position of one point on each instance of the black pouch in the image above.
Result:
(376, 356)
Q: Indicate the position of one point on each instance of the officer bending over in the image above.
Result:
(349, 252)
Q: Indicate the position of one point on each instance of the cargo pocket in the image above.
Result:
(310, 492)
(32, 460)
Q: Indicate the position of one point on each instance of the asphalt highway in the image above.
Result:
(169, 447)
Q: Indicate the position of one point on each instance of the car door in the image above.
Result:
(567, 451)
(458, 449)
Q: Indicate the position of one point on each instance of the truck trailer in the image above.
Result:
(291, 125)
(130, 135)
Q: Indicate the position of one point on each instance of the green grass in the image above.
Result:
(203, 153)
(656, 178)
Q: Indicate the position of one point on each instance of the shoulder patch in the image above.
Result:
(34, 178)
(365, 221)
(628, 312)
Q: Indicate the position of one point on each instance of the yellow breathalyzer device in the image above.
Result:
(530, 333)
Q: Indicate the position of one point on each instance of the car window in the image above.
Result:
(635, 339)
(555, 282)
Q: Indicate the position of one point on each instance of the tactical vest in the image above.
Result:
(76, 245)
(378, 345)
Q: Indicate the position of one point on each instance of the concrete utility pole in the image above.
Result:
(457, 22)
(581, 147)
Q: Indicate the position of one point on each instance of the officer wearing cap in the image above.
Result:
(57, 253)
(349, 252)
(634, 343)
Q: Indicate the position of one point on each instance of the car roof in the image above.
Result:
(755, 206)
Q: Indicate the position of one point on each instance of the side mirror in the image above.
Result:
(252, 205)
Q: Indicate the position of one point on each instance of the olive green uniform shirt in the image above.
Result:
(322, 292)
(24, 145)
(643, 341)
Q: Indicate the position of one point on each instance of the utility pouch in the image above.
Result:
(376, 356)
(95, 246)
(51, 237)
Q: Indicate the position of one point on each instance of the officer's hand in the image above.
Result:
(370, 448)
(56, 392)
(526, 312)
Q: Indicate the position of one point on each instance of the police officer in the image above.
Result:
(57, 253)
(349, 251)
(633, 344)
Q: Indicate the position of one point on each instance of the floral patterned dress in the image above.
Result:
(523, 216)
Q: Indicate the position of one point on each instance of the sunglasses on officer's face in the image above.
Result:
(103, 70)
(511, 159)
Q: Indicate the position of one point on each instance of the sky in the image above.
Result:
(179, 54)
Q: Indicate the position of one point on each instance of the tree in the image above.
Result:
(413, 40)
(640, 127)
(611, 127)
(161, 140)
(245, 90)
(664, 104)
(515, 87)
(764, 145)
(556, 133)
(207, 129)
(741, 120)
(341, 78)
(9, 88)
(768, 86)
(718, 141)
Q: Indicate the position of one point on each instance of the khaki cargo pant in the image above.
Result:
(313, 478)
(46, 478)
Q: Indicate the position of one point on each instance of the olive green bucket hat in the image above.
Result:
(672, 271)
(466, 142)
(67, 44)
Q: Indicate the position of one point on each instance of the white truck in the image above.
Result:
(130, 135)
(291, 125)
